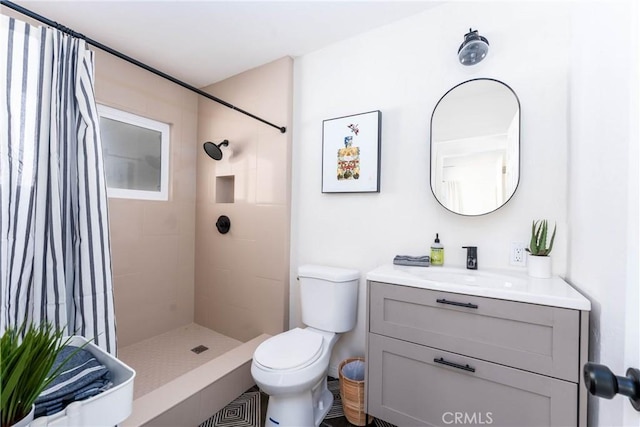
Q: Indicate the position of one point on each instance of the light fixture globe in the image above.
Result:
(473, 49)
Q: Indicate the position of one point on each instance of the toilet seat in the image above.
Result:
(290, 350)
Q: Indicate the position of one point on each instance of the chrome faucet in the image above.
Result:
(472, 257)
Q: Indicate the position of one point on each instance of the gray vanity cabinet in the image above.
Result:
(436, 358)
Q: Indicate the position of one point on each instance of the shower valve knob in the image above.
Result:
(223, 224)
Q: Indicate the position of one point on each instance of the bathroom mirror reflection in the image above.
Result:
(475, 147)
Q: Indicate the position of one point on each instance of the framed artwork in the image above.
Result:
(351, 153)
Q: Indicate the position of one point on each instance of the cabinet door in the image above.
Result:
(413, 385)
(532, 337)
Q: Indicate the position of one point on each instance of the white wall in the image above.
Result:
(403, 69)
(603, 183)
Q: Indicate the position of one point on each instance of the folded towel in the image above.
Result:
(418, 261)
(51, 407)
(82, 377)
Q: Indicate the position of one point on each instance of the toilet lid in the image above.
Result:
(289, 350)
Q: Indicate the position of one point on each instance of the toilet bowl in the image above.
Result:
(291, 367)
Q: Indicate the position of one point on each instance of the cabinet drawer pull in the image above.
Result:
(459, 304)
(454, 365)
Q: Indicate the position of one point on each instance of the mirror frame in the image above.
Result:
(519, 144)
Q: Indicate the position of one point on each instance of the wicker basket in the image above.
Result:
(352, 395)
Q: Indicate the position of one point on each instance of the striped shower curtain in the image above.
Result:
(55, 261)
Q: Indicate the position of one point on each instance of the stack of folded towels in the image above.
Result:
(81, 377)
(420, 261)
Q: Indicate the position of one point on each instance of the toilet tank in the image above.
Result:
(329, 297)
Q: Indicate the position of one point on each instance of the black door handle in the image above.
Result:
(601, 382)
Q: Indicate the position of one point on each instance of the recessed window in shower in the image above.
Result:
(224, 189)
(136, 155)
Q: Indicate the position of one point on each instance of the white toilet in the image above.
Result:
(291, 367)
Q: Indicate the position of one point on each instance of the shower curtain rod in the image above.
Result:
(133, 61)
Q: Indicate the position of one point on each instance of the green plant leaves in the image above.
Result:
(538, 244)
(25, 364)
(533, 245)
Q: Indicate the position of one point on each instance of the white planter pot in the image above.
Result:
(539, 266)
(26, 420)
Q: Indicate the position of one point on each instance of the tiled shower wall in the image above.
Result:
(152, 242)
(242, 277)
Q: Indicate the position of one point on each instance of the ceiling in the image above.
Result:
(203, 42)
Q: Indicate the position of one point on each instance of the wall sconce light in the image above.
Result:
(473, 49)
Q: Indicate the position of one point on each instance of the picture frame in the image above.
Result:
(351, 153)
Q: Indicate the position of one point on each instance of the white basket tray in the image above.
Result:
(108, 408)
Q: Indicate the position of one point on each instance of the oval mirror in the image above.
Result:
(475, 147)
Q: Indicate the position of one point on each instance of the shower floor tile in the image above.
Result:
(165, 357)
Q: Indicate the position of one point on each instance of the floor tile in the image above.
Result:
(250, 409)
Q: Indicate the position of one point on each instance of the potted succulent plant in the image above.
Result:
(28, 354)
(539, 261)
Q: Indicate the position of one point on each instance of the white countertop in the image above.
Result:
(506, 285)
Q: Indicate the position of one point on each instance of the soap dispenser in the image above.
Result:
(437, 252)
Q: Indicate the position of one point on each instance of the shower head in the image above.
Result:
(213, 150)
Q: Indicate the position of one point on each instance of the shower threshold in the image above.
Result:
(175, 386)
